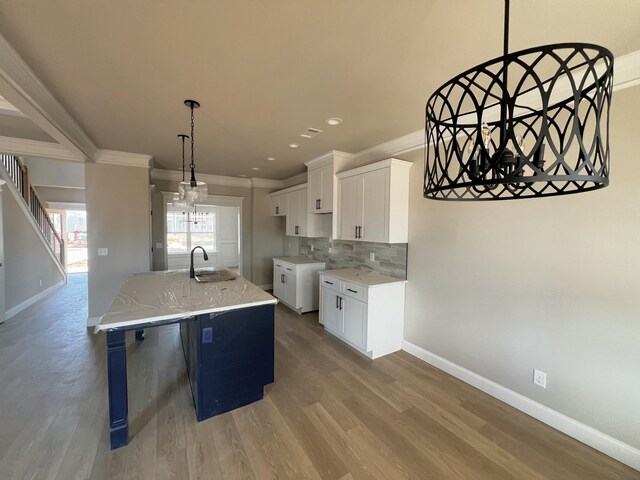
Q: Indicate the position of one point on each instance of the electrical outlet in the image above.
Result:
(312, 248)
(40, 282)
(540, 378)
(330, 250)
(207, 335)
(103, 252)
(159, 245)
(372, 257)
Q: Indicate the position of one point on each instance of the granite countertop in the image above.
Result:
(155, 297)
(298, 260)
(362, 277)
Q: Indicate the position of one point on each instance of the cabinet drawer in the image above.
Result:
(354, 290)
(330, 283)
(284, 267)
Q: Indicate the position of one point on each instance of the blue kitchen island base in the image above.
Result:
(229, 357)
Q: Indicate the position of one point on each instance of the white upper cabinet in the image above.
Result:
(279, 205)
(373, 202)
(322, 186)
(320, 196)
(299, 222)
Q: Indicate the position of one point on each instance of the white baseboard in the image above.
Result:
(30, 301)
(604, 443)
(93, 321)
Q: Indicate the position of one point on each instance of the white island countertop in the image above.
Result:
(362, 277)
(155, 297)
(298, 260)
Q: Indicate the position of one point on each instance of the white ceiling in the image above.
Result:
(266, 70)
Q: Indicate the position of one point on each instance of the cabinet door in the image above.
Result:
(326, 197)
(290, 290)
(278, 284)
(349, 207)
(314, 186)
(293, 202)
(329, 312)
(354, 327)
(303, 215)
(375, 205)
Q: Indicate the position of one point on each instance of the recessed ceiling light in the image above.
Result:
(271, 159)
(255, 168)
(334, 121)
(294, 145)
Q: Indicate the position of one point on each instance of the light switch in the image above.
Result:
(103, 252)
(159, 245)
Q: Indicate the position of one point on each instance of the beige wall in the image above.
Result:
(61, 195)
(268, 233)
(117, 219)
(501, 288)
(26, 261)
(159, 224)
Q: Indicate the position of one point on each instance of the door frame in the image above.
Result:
(216, 200)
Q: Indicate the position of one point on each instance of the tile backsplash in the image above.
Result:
(390, 259)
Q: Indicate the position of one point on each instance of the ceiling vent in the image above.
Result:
(310, 132)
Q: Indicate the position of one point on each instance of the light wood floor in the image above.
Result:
(331, 413)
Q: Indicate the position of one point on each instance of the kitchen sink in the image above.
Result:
(211, 276)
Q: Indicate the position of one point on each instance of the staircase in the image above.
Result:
(15, 173)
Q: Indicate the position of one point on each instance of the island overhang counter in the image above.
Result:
(227, 333)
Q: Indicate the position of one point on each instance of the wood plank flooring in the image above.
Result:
(331, 414)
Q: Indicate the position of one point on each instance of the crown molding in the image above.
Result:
(7, 108)
(405, 144)
(35, 148)
(220, 180)
(327, 158)
(626, 71)
(290, 189)
(266, 183)
(24, 90)
(295, 180)
(126, 159)
(370, 167)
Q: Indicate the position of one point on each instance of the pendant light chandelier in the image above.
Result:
(191, 191)
(532, 123)
(190, 212)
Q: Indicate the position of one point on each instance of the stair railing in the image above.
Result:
(19, 175)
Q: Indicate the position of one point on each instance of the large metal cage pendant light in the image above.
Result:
(532, 123)
(189, 192)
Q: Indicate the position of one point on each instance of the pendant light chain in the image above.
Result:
(193, 165)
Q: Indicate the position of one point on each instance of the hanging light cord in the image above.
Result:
(505, 93)
(182, 137)
(193, 165)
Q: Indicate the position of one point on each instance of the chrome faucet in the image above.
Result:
(192, 272)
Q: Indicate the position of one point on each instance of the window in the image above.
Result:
(183, 235)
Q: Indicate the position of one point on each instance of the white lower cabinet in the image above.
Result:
(295, 282)
(368, 317)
